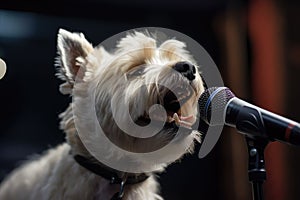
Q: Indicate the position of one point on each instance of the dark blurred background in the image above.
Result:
(255, 44)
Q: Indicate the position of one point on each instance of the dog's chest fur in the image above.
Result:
(57, 176)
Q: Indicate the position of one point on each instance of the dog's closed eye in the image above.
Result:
(137, 71)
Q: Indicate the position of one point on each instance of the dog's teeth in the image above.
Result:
(170, 119)
(181, 122)
(176, 118)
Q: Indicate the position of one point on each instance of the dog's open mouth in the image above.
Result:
(172, 104)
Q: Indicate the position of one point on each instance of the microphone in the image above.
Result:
(219, 106)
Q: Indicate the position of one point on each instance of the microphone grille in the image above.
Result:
(212, 103)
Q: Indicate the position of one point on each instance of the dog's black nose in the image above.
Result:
(186, 69)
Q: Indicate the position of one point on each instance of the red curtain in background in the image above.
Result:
(265, 32)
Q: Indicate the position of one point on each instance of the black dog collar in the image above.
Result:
(111, 174)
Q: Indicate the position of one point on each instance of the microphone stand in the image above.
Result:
(249, 121)
(256, 165)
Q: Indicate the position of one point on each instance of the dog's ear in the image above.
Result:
(72, 50)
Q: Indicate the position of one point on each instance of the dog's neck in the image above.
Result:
(112, 175)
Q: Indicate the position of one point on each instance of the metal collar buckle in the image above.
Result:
(119, 195)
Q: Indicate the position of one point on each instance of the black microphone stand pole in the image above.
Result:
(250, 122)
(256, 165)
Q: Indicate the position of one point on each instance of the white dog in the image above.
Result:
(122, 85)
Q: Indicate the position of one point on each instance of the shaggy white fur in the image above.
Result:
(134, 75)
(56, 175)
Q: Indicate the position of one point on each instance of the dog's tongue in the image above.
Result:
(185, 121)
(188, 118)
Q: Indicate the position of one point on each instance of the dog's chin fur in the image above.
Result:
(130, 80)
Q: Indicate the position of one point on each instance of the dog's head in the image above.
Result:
(138, 87)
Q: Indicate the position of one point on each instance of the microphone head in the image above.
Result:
(212, 105)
